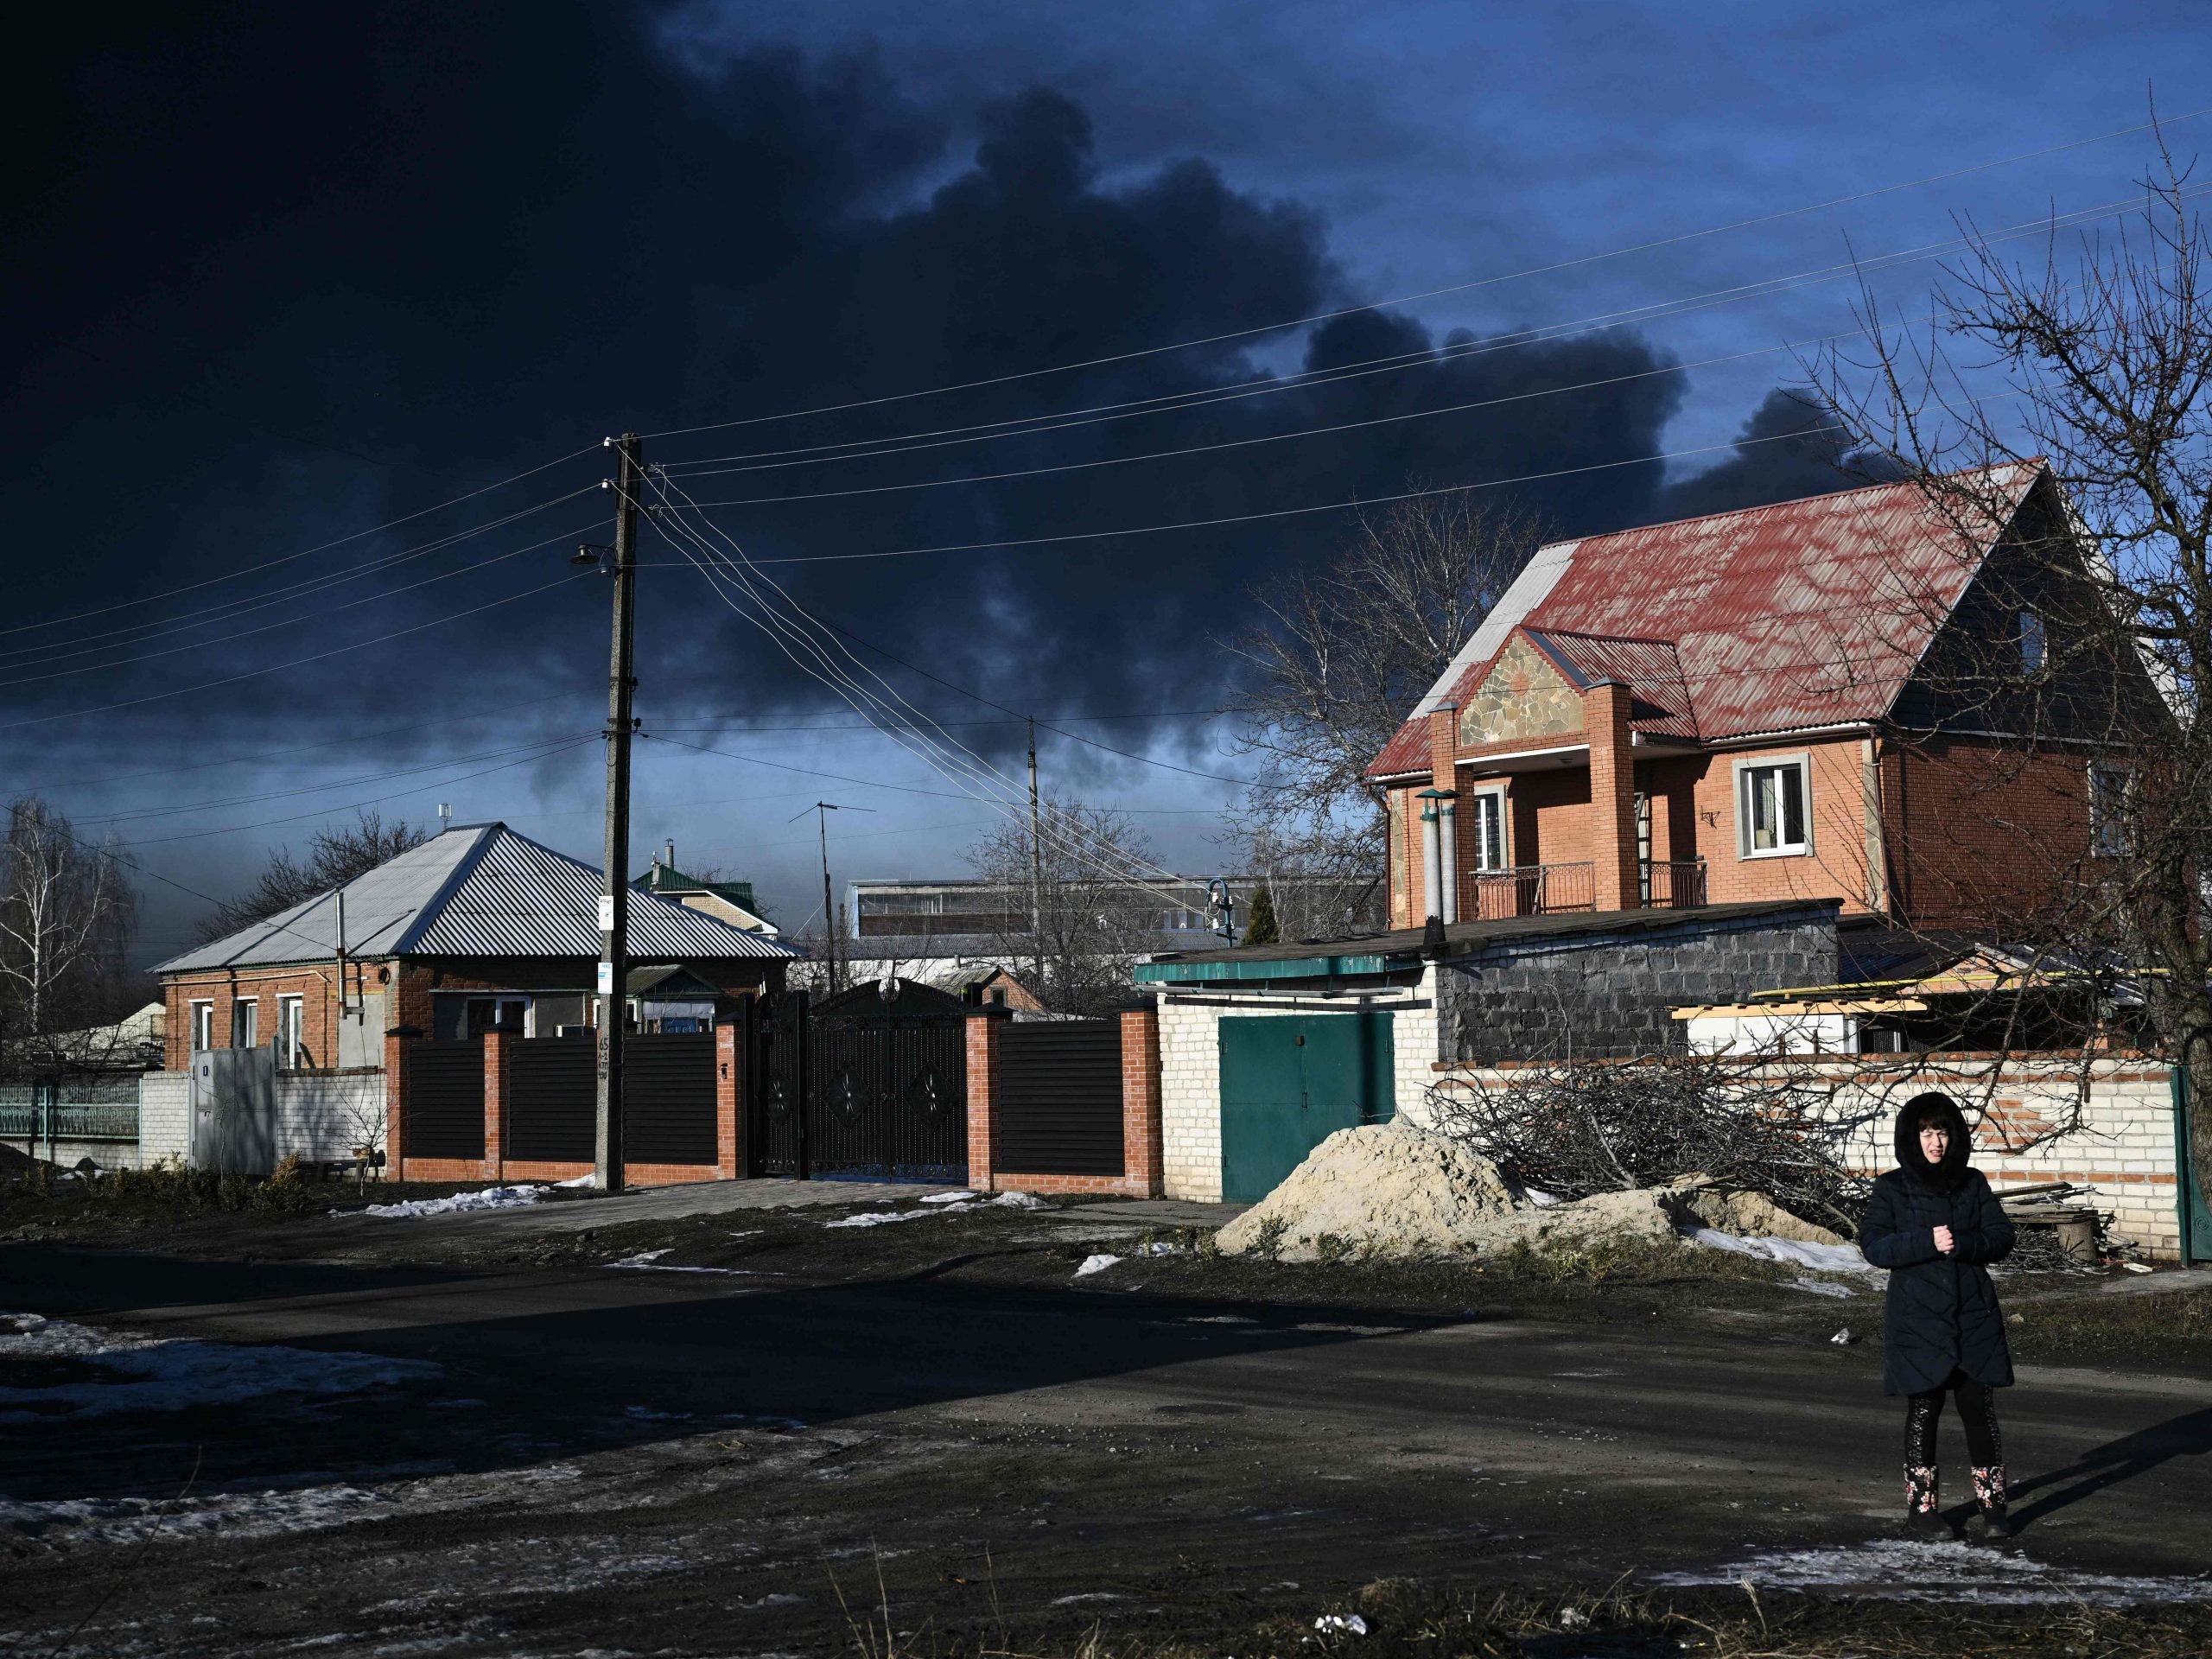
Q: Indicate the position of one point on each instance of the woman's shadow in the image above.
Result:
(2117, 1460)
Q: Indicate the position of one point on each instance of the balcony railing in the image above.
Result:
(1671, 884)
(1530, 890)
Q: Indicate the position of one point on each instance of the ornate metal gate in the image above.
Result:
(854, 1089)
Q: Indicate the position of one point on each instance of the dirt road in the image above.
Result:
(557, 1461)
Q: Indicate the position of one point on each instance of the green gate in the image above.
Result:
(1287, 1083)
(2193, 1171)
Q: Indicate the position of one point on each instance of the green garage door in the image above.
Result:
(1290, 1081)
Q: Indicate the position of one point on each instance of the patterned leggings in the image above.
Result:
(1978, 1412)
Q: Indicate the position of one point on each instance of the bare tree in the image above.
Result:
(2096, 676)
(1093, 915)
(67, 916)
(334, 857)
(1339, 655)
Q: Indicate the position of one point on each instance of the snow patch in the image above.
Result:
(947, 1204)
(1902, 1570)
(1350, 1623)
(161, 1374)
(235, 1515)
(1096, 1264)
(491, 1198)
(1824, 1258)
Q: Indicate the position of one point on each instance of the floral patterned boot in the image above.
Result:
(1923, 1510)
(1989, 1501)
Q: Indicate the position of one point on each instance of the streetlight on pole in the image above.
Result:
(822, 810)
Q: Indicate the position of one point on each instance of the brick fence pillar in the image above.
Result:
(395, 1099)
(495, 1104)
(1141, 1134)
(985, 1031)
(729, 1100)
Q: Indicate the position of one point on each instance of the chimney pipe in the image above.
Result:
(670, 860)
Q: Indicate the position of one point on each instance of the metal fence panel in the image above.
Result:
(1060, 1108)
(551, 1105)
(668, 1098)
(444, 1111)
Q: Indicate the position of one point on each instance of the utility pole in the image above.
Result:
(822, 810)
(1036, 871)
(614, 898)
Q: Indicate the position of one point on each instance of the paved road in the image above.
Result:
(701, 1454)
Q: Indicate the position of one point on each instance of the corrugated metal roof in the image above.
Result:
(476, 890)
(1802, 615)
(1651, 669)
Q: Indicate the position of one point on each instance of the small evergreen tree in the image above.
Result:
(1261, 928)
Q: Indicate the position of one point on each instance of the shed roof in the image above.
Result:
(1786, 618)
(477, 890)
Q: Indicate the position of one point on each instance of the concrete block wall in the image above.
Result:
(1614, 997)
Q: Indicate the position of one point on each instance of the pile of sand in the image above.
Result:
(1387, 1189)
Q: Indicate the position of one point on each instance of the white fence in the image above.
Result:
(318, 1116)
(2108, 1125)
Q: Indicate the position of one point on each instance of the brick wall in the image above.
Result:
(316, 984)
(1190, 1070)
(2117, 1136)
(165, 1115)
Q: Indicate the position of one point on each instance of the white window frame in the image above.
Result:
(202, 1025)
(245, 1020)
(2108, 833)
(2032, 635)
(1743, 768)
(291, 1030)
(1491, 801)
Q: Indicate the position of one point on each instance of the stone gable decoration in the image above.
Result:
(1523, 696)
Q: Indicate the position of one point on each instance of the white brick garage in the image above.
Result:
(1498, 990)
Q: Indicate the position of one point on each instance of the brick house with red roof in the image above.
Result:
(1763, 705)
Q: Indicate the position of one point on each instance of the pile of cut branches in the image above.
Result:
(1579, 1127)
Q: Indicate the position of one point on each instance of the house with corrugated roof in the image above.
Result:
(477, 930)
(729, 901)
(1855, 696)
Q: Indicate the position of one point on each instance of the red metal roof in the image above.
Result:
(1802, 615)
(1651, 669)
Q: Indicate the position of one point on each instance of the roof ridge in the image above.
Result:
(2038, 463)
(427, 912)
(1671, 642)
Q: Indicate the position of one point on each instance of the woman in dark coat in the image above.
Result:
(1935, 1225)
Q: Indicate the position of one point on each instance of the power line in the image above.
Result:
(563, 740)
(1355, 503)
(372, 800)
(1433, 293)
(322, 547)
(230, 609)
(1269, 385)
(296, 662)
(263, 756)
(286, 622)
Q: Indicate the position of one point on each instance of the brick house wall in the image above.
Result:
(408, 989)
(1935, 833)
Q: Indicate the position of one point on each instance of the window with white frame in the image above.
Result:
(1771, 808)
(291, 1030)
(244, 1023)
(203, 1026)
(2035, 643)
(1487, 823)
(2111, 800)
